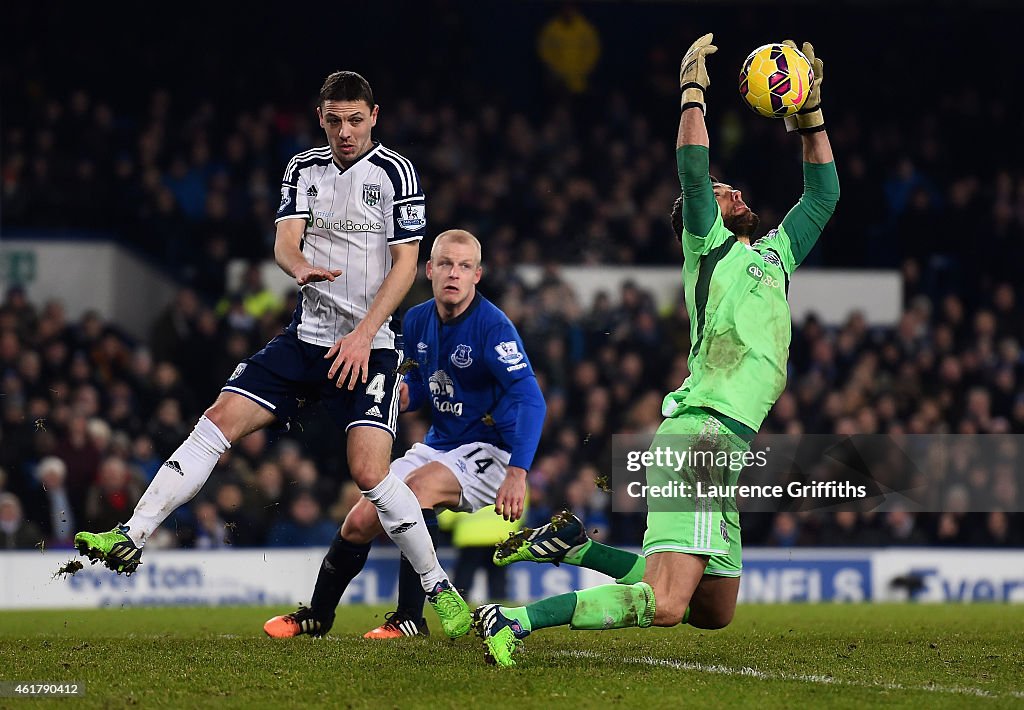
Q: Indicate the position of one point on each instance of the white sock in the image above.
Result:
(178, 480)
(401, 515)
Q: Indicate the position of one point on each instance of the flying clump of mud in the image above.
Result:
(68, 569)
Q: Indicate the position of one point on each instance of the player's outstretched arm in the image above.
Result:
(289, 257)
(692, 161)
(806, 221)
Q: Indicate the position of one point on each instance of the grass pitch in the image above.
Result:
(771, 656)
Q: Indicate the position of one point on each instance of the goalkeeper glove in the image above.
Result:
(693, 75)
(809, 118)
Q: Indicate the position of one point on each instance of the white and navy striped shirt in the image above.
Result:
(353, 215)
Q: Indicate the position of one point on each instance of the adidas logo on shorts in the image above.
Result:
(373, 411)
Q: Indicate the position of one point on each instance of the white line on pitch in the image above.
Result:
(749, 672)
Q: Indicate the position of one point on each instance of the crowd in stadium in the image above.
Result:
(88, 414)
(195, 188)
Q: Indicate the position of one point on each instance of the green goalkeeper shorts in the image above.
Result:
(693, 522)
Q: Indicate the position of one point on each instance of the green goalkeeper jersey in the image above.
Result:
(740, 324)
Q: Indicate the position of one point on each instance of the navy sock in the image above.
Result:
(410, 591)
(343, 561)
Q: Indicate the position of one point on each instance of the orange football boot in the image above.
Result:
(397, 625)
(297, 623)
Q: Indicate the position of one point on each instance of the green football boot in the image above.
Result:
(501, 635)
(451, 608)
(114, 549)
(564, 539)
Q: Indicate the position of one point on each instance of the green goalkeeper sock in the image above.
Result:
(636, 572)
(625, 567)
(610, 606)
(553, 611)
(614, 606)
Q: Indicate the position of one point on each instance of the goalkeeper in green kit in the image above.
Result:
(740, 329)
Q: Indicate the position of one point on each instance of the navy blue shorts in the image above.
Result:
(288, 372)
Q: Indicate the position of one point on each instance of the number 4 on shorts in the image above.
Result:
(481, 464)
(376, 388)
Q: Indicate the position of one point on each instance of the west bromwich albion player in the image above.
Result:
(488, 411)
(348, 230)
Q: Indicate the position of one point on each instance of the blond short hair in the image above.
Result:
(458, 236)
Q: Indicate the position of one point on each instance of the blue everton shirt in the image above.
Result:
(475, 374)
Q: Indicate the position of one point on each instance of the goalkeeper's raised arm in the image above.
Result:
(805, 222)
(698, 198)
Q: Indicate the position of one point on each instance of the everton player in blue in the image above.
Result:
(465, 359)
